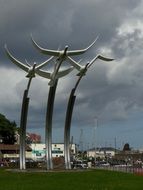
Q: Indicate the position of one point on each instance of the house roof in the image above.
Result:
(12, 147)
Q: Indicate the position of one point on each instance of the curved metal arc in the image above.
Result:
(29, 83)
(57, 53)
(28, 66)
(48, 128)
(68, 119)
(67, 129)
(103, 58)
(60, 74)
(54, 74)
(15, 61)
(44, 63)
(43, 50)
(78, 52)
(80, 77)
(74, 63)
(64, 72)
(23, 123)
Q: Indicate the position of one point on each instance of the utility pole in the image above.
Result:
(115, 141)
(81, 140)
(95, 127)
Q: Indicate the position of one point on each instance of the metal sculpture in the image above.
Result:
(48, 127)
(70, 106)
(53, 76)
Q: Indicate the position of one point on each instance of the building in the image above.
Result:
(39, 150)
(101, 152)
(12, 151)
(129, 156)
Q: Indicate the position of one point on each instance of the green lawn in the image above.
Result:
(85, 180)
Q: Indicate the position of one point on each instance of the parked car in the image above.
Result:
(80, 164)
(102, 163)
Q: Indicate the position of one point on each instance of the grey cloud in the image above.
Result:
(53, 27)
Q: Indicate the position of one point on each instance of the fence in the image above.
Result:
(127, 169)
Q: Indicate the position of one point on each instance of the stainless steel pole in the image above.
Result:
(24, 112)
(23, 123)
(48, 128)
(67, 129)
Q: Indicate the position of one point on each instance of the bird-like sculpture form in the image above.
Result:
(82, 69)
(36, 69)
(62, 55)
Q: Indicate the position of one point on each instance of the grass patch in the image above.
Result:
(88, 180)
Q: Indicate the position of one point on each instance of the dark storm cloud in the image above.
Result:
(55, 23)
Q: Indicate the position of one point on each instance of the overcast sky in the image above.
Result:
(111, 92)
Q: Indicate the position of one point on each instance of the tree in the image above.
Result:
(7, 130)
(33, 138)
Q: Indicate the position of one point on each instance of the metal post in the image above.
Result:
(23, 122)
(67, 129)
(69, 113)
(48, 128)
